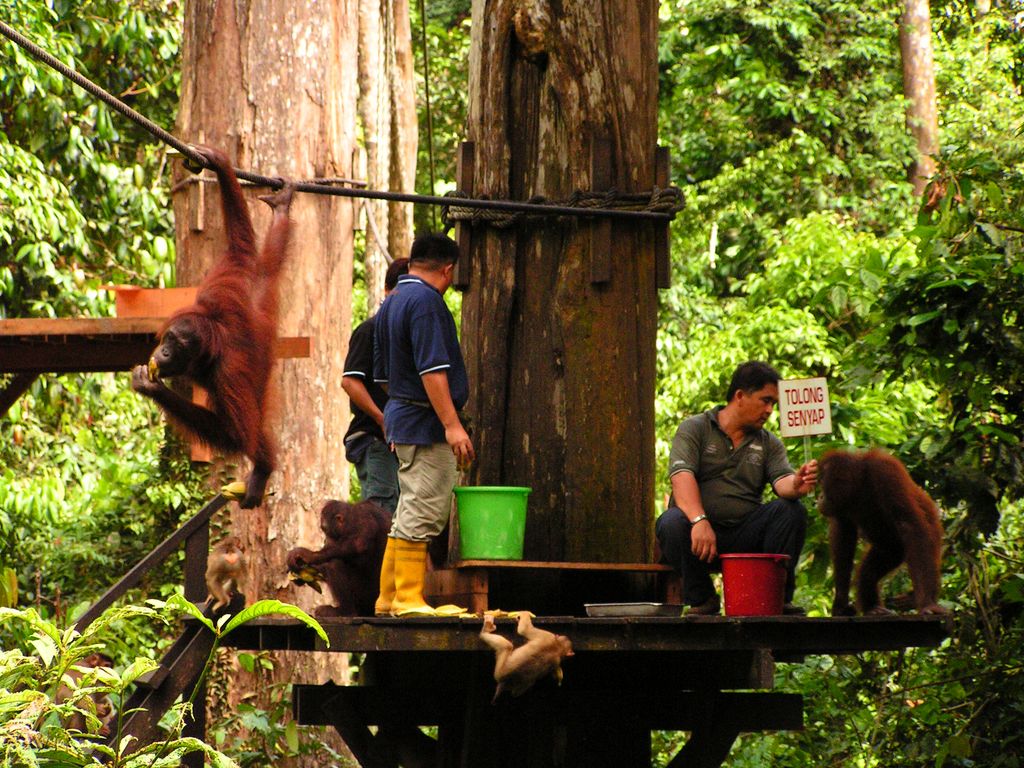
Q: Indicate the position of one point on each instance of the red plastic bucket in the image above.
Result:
(754, 584)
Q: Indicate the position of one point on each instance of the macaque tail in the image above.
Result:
(497, 692)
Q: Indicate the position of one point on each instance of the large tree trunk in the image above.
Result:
(919, 88)
(375, 114)
(274, 85)
(404, 124)
(561, 368)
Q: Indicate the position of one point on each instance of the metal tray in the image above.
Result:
(633, 609)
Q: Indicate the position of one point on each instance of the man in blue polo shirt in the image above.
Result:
(417, 355)
(719, 464)
(365, 447)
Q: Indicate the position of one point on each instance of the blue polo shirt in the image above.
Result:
(415, 334)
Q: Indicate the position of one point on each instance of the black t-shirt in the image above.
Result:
(359, 362)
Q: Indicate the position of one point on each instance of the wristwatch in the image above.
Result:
(698, 518)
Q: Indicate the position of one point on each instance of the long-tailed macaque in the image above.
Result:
(516, 669)
(224, 570)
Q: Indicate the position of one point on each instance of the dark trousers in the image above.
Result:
(777, 527)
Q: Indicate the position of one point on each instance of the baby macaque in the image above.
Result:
(224, 570)
(516, 669)
(98, 704)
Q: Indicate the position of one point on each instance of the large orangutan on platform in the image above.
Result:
(225, 341)
(872, 494)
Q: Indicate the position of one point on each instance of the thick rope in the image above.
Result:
(666, 202)
(537, 209)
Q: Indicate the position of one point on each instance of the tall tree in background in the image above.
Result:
(274, 84)
(919, 88)
(562, 368)
(404, 135)
(387, 111)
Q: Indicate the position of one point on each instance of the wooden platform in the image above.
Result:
(550, 587)
(710, 676)
(795, 636)
(33, 346)
(84, 344)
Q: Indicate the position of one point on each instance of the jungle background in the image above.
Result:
(801, 243)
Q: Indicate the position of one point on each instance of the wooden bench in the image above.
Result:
(552, 588)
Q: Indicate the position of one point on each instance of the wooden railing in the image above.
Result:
(195, 535)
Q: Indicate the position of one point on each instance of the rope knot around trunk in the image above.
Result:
(668, 200)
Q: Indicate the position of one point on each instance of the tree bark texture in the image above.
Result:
(919, 88)
(274, 85)
(404, 122)
(562, 369)
(374, 114)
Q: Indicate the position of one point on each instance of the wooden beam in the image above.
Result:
(792, 635)
(561, 566)
(17, 386)
(464, 231)
(184, 662)
(668, 710)
(93, 344)
(600, 227)
(662, 234)
(199, 520)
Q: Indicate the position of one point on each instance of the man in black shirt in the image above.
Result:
(365, 446)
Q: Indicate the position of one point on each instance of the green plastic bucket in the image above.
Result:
(492, 521)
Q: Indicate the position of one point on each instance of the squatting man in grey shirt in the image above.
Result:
(719, 464)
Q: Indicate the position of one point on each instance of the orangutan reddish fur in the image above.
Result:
(872, 494)
(225, 341)
(355, 536)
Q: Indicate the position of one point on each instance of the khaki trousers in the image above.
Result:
(426, 476)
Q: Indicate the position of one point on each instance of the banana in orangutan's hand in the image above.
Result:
(153, 369)
(233, 491)
(307, 575)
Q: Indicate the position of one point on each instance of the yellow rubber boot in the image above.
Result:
(410, 568)
(387, 581)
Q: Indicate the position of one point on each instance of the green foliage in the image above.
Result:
(33, 717)
(800, 245)
(254, 736)
(447, 44)
(80, 465)
(955, 318)
(33, 730)
(774, 110)
(83, 201)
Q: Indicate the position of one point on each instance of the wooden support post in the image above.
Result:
(662, 252)
(197, 549)
(18, 386)
(463, 230)
(601, 227)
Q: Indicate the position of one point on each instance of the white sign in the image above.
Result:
(804, 408)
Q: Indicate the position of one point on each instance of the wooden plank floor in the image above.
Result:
(786, 634)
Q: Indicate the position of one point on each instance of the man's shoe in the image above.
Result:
(792, 609)
(709, 607)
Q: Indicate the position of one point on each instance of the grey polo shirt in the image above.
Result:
(731, 480)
